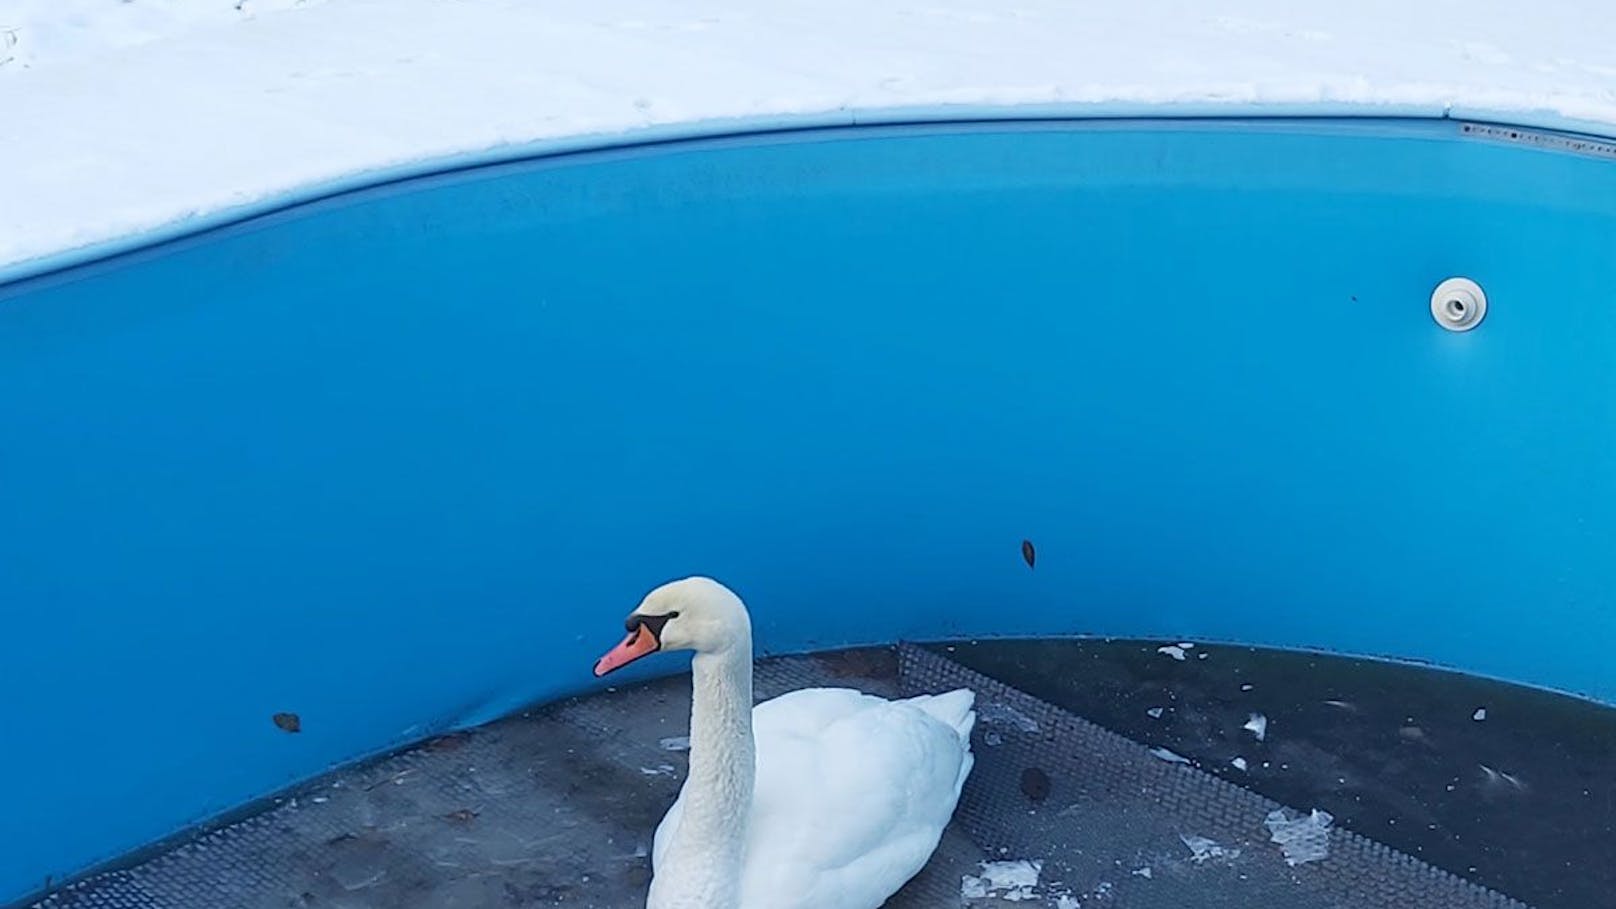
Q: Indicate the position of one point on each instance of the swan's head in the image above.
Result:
(697, 614)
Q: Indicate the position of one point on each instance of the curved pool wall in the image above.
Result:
(400, 459)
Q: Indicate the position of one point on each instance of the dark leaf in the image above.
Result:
(1035, 784)
(288, 722)
(1029, 554)
(454, 741)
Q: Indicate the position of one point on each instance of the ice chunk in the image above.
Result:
(1239, 763)
(1203, 849)
(1155, 713)
(1012, 881)
(676, 743)
(1004, 875)
(1005, 715)
(1301, 837)
(1496, 777)
(1169, 756)
(1258, 724)
(1480, 714)
(1172, 650)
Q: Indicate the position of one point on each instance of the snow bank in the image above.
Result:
(119, 117)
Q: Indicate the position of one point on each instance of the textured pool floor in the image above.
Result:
(557, 807)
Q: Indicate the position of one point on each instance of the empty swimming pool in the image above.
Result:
(391, 460)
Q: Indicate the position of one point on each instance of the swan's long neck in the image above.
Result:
(706, 851)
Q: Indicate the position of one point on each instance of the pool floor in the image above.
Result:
(1511, 787)
(556, 806)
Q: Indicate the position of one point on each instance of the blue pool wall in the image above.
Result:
(399, 459)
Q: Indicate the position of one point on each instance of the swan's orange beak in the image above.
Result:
(640, 642)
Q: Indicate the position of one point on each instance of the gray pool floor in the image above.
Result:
(556, 807)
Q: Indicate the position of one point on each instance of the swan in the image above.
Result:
(822, 798)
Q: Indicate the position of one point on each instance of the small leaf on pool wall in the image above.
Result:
(288, 722)
(1028, 553)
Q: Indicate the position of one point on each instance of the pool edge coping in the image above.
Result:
(655, 137)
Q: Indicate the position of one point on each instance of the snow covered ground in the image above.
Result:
(120, 116)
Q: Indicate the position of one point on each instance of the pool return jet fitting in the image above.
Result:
(1458, 304)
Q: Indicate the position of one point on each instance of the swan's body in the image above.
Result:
(824, 798)
(852, 793)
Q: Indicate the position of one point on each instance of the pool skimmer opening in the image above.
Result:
(1458, 304)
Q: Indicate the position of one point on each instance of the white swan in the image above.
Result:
(824, 798)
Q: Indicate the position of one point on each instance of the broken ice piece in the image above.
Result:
(1301, 837)
(1012, 881)
(1172, 650)
(1186, 645)
(1169, 756)
(1239, 763)
(1202, 849)
(1258, 724)
(1480, 714)
(1004, 714)
(676, 743)
(1154, 713)
(1499, 776)
(1144, 872)
(1247, 686)
(1004, 875)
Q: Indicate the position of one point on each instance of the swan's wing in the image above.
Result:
(853, 792)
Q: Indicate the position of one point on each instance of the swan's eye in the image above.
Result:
(674, 614)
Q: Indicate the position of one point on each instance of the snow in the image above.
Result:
(125, 116)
